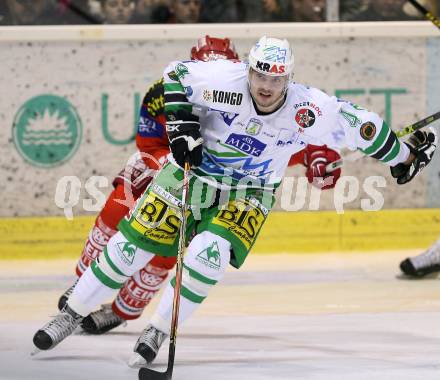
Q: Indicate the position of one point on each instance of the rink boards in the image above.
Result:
(93, 80)
(284, 232)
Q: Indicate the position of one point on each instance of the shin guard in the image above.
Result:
(97, 240)
(138, 292)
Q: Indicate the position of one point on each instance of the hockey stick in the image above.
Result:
(425, 12)
(84, 15)
(399, 133)
(147, 373)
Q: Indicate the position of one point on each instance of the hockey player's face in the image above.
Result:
(265, 89)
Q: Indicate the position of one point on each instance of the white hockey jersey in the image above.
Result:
(248, 146)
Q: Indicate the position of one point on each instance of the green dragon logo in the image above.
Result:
(353, 120)
(181, 70)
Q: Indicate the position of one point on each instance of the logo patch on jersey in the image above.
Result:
(227, 97)
(246, 144)
(154, 103)
(148, 127)
(368, 131)
(305, 118)
(181, 70)
(311, 105)
(254, 126)
(272, 69)
(228, 117)
(287, 137)
(352, 119)
(188, 91)
(173, 76)
(236, 165)
(207, 95)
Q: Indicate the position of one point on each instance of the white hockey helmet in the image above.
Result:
(272, 56)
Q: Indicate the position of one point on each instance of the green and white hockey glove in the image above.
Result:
(422, 145)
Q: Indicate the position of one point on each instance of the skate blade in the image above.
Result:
(79, 331)
(137, 361)
(408, 277)
(35, 351)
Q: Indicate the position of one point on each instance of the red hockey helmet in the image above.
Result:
(211, 48)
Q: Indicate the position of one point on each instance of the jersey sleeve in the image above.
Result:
(188, 84)
(367, 132)
(151, 138)
(174, 89)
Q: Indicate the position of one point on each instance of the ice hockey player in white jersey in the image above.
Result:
(239, 125)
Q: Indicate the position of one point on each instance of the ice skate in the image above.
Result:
(423, 264)
(101, 321)
(65, 296)
(59, 328)
(147, 347)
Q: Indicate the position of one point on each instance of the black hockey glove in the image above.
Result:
(422, 145)
(183, 129)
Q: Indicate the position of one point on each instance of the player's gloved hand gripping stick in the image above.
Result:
(147, 373)
(316, 160)
(183, 129)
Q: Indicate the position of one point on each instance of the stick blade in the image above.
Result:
(149, 374)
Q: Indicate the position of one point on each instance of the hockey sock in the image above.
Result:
(138, 292)
(108, 273)
(161, 319)
(204, 265)
(103, 230)
(95, 243)
(89, 292)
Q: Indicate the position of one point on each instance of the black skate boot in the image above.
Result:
(101, 321)
(59, 328)
(426, 263)
(147, 347)
(65, 296)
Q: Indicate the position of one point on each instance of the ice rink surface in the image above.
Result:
(307, 316)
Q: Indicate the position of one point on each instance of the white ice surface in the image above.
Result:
(337, 317)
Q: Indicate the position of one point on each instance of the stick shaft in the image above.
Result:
(148, 373)
(179, 267)
(425, 12)
(418, 125)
